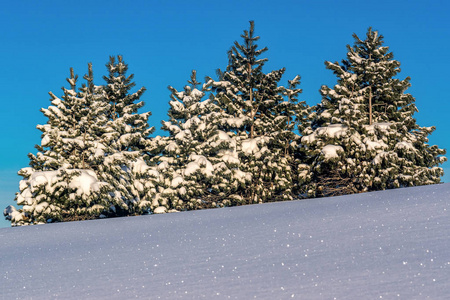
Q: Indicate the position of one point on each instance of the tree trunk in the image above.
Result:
(370, 98)
(252, 127)
(370, 106)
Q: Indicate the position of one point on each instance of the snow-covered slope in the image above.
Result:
(384, 245)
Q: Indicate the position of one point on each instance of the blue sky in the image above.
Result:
(162, 41)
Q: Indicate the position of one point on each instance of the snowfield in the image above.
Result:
(383, 245)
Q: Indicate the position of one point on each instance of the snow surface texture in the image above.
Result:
(382, 245)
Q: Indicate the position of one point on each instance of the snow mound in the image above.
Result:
(160, 210)
(383, 245)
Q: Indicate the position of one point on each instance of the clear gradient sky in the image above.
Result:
(162, 41)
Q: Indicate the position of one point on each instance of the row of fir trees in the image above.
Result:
(239, 139)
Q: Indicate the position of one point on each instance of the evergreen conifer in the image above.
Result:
(91, 160)
(198, 161)
(363, 135)
(61, 183)
(126, 141)
(261, 120)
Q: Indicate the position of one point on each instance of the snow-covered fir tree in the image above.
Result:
(261, 116)
(91, 161)
(126, 141)
(70, 137)
(364, 135)
(198, 162)
(61, 183)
